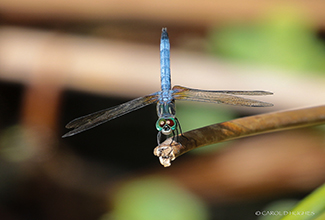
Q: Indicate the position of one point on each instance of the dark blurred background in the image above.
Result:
(60, 60)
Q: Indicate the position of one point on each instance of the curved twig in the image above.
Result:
(238, 128)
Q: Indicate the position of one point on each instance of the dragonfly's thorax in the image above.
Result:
(166, 113)
(166, 109)
(165, 96)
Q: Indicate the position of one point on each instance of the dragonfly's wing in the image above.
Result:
(89, 121)
(220, 96)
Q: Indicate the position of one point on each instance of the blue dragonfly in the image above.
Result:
(167, 123)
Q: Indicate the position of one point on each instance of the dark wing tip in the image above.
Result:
(76, 123)
(267, 93)
(265, 104)
(67, 134)
(73, 132)
(71, 124)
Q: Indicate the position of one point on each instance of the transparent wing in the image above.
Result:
(220, 96)
(94, 119)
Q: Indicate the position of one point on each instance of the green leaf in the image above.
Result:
(157, 198)
(310, 208)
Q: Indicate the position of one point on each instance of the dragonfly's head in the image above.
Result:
(166, 125)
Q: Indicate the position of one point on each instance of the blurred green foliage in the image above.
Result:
(283, 38)
(313, 203)
(156, 198)
(16, 144)
(310, 208)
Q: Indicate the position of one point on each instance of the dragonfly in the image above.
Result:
(167, 123)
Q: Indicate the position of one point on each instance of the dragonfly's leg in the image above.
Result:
(178, 132)
(159, 137)
(174, 137)
(180, 128)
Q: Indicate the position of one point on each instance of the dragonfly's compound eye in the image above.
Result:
(170, 122)
(160, 124)
(166, 126)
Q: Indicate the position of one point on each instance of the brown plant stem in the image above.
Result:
(238, 128)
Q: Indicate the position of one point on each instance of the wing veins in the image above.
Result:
(94, 119)
(220, 96)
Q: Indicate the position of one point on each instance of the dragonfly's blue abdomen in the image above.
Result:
(165, 62)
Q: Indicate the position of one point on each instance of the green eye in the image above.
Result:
(166, 124)
(160, 124)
